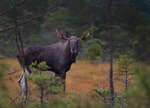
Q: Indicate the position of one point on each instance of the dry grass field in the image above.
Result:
(80, 80)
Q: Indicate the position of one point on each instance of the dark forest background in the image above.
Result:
(119, 30)
(130, 25)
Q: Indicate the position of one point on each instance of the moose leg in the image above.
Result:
(56, 78)
(23, 83)
(64, 80)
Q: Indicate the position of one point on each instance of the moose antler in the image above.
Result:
(83, 37)
(61, 37)
(67, 33)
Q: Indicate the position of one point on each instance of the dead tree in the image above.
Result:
(111, 55)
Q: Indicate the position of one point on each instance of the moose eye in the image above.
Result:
(67, 34)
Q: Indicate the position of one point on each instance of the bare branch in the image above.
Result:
(12, 8)
(16, 98)
(13, 72)
(34, 17)
(41, 13)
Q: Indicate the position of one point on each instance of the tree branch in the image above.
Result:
(41, 13)
(16, 98)
(12, 8)
(34, 17)
(13, 72)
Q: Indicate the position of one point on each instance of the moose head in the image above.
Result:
(73, 42)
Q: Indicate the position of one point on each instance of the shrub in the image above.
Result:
(43, 82)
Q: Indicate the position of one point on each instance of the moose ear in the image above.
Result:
(79, 35)
(67, 34)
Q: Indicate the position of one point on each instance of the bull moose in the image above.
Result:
(58, 57)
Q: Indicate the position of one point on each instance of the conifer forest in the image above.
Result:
(75, 53)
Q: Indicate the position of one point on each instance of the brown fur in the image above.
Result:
(58, 56)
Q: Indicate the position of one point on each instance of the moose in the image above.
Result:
(58, 57)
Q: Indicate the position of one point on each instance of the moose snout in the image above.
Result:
(73, 51)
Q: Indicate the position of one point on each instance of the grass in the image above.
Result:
(80, 80)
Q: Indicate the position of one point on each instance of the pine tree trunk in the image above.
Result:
(126, 79)
(111, 56)
(103, 55)
(42, 95)
(126, 83)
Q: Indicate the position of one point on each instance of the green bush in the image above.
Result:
(93, 53)
(43, 82)
(3, 89)
(125, 65)
(139, 96)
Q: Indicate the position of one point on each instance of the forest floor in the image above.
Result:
(81, 78)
